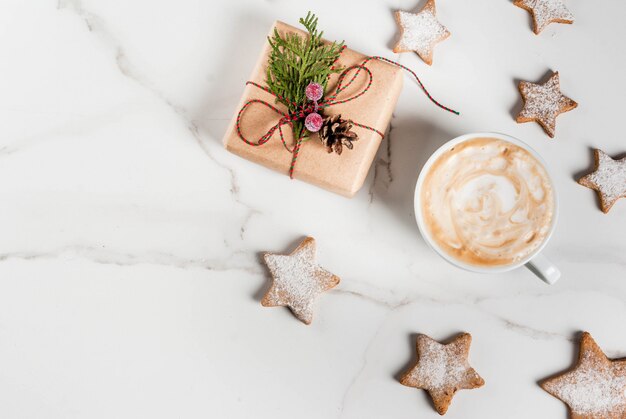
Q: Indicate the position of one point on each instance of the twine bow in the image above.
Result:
(303, 110)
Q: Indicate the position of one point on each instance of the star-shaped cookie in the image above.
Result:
(595, 388)
(543, 103)
(420, 32)
(441, 369)
(297, 280)
(609, 179)
(545, 12)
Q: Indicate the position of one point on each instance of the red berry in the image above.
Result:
(313, 122)
(314, 91)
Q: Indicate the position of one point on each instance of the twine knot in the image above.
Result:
(309, 112)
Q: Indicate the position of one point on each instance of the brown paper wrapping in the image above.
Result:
(343, 174)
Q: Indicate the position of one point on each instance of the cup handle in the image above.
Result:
(544, 269)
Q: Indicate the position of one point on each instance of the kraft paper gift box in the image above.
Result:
(343, 174)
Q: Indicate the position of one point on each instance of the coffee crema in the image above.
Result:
(487, 202)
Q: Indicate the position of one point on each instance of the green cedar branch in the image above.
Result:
(296, 61)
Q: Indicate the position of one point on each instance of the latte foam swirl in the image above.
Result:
(487, 202)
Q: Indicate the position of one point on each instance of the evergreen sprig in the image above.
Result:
(296, 61)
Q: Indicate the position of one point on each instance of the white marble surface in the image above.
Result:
(129, 271)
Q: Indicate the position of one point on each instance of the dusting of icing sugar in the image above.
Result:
(592, 389)
(547, 11)
(610, 177)
(440, 366)
(544, 102)
(544, 99)
(294, 282)
(541, 101)
(420, 32)
(298, 280)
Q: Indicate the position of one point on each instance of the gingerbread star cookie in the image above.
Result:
(441, 369)
(543, 103)
(420, 32)
(545, 12)
(609, 179)
(595, 388)
(297, 280)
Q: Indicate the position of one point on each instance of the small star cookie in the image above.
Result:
(441, 370)
(297, 280)
(543, 103)
(609, 179)
(545, 12)
(420, 32)
(595, 388)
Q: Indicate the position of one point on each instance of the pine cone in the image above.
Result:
(335, 133)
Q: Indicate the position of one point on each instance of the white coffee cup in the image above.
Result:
(535, 261)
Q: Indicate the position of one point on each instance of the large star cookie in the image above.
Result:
(609, 179)
(420, 32)
(441, 370)
(297, 280)
(543, 103)
(545, 12)
(595, 388)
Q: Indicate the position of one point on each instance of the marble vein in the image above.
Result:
(362, 368)
(111, 257)
(507, 323)
(97, 26)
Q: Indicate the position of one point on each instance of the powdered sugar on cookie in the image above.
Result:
(592, 389)
(420, 32)
(596, 387)
(439, 365)
(543, 103)
(609, 179)
(545, 12)
(442, 369)
(297, 280)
